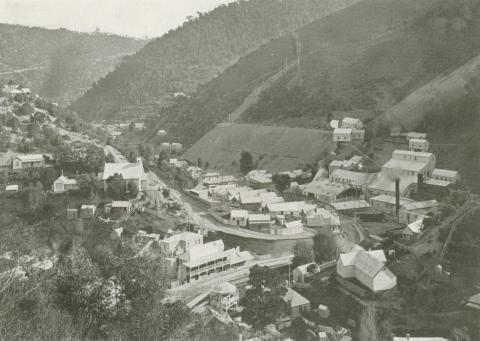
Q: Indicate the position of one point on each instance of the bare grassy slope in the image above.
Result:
(275, 148)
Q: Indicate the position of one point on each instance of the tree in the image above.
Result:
(263, 303)
(131, 126)
(48, 176)
(162, 157)
(246, 162)
(34, 197)
(87, 183)
(132, 189)
(199, 162)
(281, 181)
(25, 109)
(116, 186)
(324, 248)
(303, 254)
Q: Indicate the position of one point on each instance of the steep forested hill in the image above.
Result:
(59, 64)
(368, 56)
(198, 51)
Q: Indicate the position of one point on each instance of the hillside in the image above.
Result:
(347, 63)
(198, 51)
(448, 109)
(59, 64)
(273, 148)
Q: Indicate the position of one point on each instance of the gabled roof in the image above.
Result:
(350, 205)
(294, 224)
(357, 178)
(342, 131)
(415, 205)
(200, 253)
(30, 157)
(121, 204)
(243, 214)
(367, 264)
(129, 171)
(391, 199)
(416, 226)
(407, 165)
(385, 182)
(186, 235)
(258, 217)
(398, 152)
(294, 298)
(294, 206)
(66, 181)
(410, 338)
(444, 172)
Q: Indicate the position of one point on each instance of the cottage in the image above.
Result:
(26, 161)
(301, 272)
(214, 181)
(179, 243)
(342, 135)
(131, 173)
(250, 201)
(239, 218)
(415, 135)
(418, 145)
(413, 230)
(64, 184)
(120, 208)
(358, 135)
(161, 132)
(367, 269)
(11, 188)
(352, 123)
(297, 302)
(446, 175)
(72, 213)
(260, 222)
(87, 211)
(176, 147)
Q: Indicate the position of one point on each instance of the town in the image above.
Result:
(346, 230)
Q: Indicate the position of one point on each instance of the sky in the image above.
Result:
(137, 18)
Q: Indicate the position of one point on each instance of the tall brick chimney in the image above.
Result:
(397, 196)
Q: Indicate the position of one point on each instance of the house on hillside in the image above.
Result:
(352, 123)
(259, 179)
(325, 190)
(259, 222)
(301, 272)
(298, 304)
(418, 145)
(27, 161)
(131, 173)
(239, 218)
(179, 243)
(64, 184)
(87, 211)
(368, 268)
(342, 135)
(446, 175)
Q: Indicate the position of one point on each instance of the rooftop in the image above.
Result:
(350, 205)
(342, 131)
(407, 165)
(293, 206)
(121, 204)
(30, 157)
(294, 298)
(415, 205)
(385, 182)
(182, 236)
(127, 170)
(239, 214)
(410, 153)
(258, 217)
(444, 172)
(357, 178)
(391, 199)
(67, 181)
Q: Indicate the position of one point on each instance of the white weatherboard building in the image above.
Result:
(64, 184)
(26, 161)
(131, 173)
(352, 123)
(204, 260)
(368, 268)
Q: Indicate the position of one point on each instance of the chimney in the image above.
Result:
(397, 196)
(419, 183)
